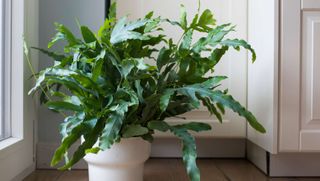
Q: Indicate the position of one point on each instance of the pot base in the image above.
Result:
(98, 173)
(124, 161)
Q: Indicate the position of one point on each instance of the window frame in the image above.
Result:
(19, 150)
(5, 77)
(13, 92)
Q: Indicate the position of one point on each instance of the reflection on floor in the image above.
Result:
(173, 170)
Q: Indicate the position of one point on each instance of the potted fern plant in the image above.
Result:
(115, 101)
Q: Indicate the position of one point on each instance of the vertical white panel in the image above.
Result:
(290, 63)
(5, 40)
(1, 69)
(263, 74)
(234, 64)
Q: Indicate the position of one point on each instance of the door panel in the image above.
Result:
(310, 4)
(310, 97)
(300, 80)
(234, 64)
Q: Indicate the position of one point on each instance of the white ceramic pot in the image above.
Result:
(123, 162)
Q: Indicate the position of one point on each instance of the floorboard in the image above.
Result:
(173, 170)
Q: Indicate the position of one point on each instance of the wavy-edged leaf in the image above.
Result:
(188, 143)
(114, 122)
(184, 49)
(139, 90)
(123, 31)
(198, 91)
(221, 108)
(54, 55)
(195, 126)
(158, 125)
(67, 126)
(212, 108)
(98, 65)
(134, 130)
(75, 135)
(236, 44)
(90, 140)
(111, 131)
(206, 21)
(183, 17)
(73, 86)
(174, 23)
(217, 54)
(112, 11)
(63, 34)
(87, 35)
(213, 38)
(86, 82)
(63, 106)
(189, 152)
(165, 99)
(213, 81)
(163, 57)
(152, 25)
(228, 101)
(50, 72)
(126, 66)
(104, 31)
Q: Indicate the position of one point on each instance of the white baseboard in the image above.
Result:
(25, 173)
(295, 165)
(206, 148)
(162, 148)
(284, 164)
(257, 156)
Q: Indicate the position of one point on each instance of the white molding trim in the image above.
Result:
(284, 164)
(25, 173)
(310, 4)
(161, 148)
(290, 76)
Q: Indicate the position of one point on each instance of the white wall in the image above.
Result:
(88, 12)
(233, 65)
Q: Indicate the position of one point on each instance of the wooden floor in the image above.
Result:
(173, 170)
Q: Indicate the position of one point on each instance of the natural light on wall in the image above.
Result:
(4, 61)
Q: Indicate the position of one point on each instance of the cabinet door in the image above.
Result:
(300, 80)
(310, 87)
(233, 66)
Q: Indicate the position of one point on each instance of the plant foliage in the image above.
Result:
(110, 92)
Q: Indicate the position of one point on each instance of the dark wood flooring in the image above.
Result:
(173, 170)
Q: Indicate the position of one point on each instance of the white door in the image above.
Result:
(234, 65)
(300, 87)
